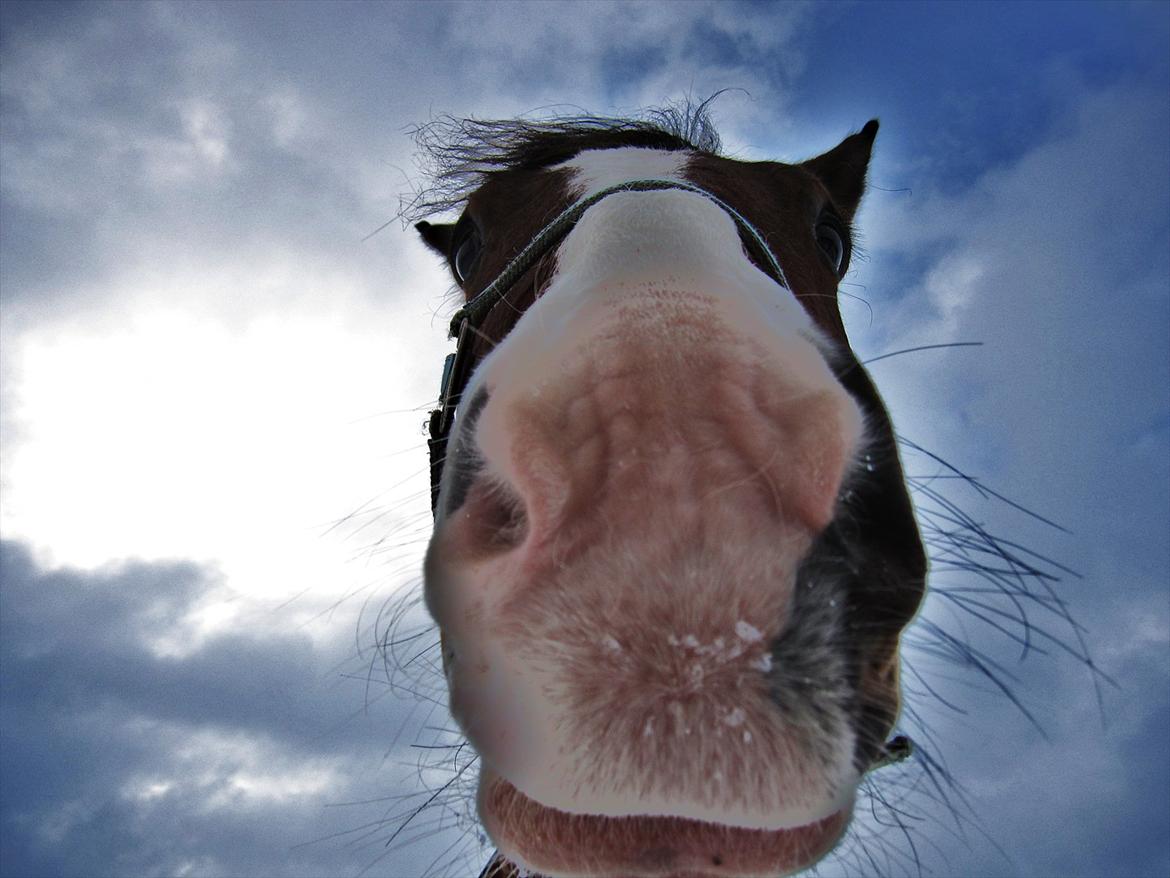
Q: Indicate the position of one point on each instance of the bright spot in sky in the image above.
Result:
(177, 435)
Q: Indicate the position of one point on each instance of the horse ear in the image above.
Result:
(437, 236)
(842, 169)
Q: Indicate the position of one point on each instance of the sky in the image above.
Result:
(213, 489)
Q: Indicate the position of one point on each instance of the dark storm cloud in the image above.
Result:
(86, 637)
(117, 760)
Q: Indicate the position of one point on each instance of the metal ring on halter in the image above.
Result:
(453, 367)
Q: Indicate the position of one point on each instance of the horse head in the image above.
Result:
(674, 549)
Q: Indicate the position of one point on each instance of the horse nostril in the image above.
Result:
(463, 459)
(494, 517)
(464, 468)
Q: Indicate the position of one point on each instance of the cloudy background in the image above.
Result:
(213, 385)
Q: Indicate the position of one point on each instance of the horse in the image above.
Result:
(674, 549)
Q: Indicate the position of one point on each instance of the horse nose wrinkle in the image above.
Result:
(624, 480)
(493, 519)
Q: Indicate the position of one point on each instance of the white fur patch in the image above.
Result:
(597, 169)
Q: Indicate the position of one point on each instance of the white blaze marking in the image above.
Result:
(597, 169)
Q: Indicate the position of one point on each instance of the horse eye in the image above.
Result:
(466, 255)
(832, 244)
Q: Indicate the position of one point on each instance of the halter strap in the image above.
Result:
(466, 321)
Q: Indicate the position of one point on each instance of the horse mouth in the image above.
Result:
(555, 843)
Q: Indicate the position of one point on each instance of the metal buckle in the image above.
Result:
(452, 385)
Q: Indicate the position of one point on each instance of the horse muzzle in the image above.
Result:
(644, 464)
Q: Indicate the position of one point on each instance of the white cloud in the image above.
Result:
(1053, 263)
(228, 369)
(621, 57)
(1056, 261)
(173, 430)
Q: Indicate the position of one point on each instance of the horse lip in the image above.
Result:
(553, 843)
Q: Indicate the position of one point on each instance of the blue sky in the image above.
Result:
(205, 369)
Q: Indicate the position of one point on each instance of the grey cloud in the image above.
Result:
(1104, 775)
(1051, 261)
(1057, 271)
(194, 142)
(92, 719)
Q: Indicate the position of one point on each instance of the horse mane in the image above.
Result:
(456, 155)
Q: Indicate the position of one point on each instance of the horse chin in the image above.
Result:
(557, 844)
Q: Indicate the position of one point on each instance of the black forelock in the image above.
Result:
(457, 154)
